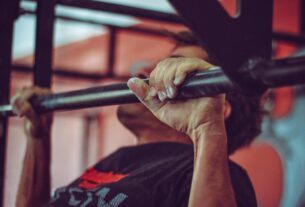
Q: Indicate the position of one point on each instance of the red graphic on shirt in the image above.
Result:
(93, 178)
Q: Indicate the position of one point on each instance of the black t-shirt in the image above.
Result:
(150, 175)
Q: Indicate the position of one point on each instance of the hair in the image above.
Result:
(244, 123)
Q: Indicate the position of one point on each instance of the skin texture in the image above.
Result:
(204, 128)
(34, 187)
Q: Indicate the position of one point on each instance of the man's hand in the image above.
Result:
(34, 187)
(202, 119)
(35, 125)
(186, 116)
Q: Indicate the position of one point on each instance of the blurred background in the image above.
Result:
(275, 161)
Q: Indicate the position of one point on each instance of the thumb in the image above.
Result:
(146, 94)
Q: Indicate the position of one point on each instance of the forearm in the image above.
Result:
(34, 186)
(211, 184)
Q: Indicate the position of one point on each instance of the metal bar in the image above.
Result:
(275, 73)
(8, 13)
(282, 72)
(120, 94)
(44, 42)
(69, 73)
(122, 9)
(277, 35)
(62, 73)
(111, 51)
(290, 38)
(136, 29)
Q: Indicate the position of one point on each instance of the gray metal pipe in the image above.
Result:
(275, 73)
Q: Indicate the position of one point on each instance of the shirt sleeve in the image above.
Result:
(242, 186)
(243, 189)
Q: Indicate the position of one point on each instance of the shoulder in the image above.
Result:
(243, 189)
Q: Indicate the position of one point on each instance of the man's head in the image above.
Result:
(243, 113)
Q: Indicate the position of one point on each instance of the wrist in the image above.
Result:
(38, 129)
(210, 142)
(214, 129)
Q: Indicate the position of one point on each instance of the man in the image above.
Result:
(181, 158)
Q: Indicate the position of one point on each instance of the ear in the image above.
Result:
(228, 109)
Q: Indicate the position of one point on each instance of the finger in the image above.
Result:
(21, 98)
(163, 77)
(154, 79)
(27, 111)
(156, 82)
(146, 94)
(187, 66)
(168, 80)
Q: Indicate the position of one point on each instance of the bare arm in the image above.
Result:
(201, 119)
(34, 186)
(211, 183)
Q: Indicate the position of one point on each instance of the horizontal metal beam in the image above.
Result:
(275, 73)
(69, 73)
(121, 9)
(290, 38)
(277, 35)
(135, 29)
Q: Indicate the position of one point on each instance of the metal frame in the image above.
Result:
(252, 71)
(68, 73)
(8, 13)
(280, 36)
(231, 41)
(44, 43)
(111, 51)
(121, 9)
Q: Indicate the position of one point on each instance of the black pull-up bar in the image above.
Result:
(276, 73)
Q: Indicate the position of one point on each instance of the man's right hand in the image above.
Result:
(35, 125)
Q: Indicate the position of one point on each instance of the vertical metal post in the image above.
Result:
(44, 42)
(8, 13)
(111, 51)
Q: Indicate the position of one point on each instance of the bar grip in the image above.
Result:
(203, 83)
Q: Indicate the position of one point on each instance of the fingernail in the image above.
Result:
(215, 68)
(161, 95)
(178, 80)
(133, 80)
(169, 91)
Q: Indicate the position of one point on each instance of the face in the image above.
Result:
(137, 114)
